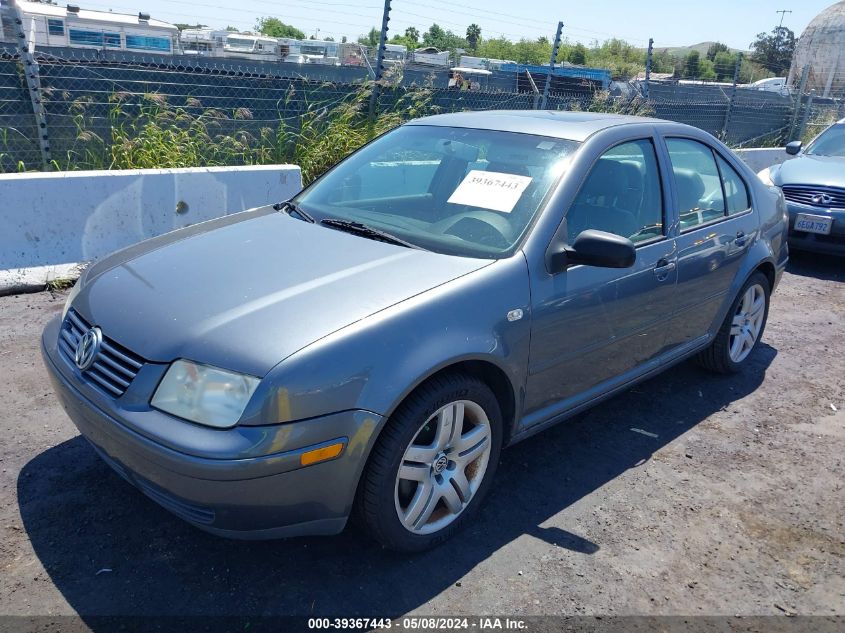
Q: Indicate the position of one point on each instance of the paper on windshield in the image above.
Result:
(492, 190)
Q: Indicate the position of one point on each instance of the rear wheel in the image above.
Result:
(742, 329)
(433, 464)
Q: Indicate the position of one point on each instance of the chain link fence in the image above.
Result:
(154, 111)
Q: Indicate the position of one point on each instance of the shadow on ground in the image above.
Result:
(82, 518)
(827, 267)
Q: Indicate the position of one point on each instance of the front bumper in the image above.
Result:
(245, 482)
(833, 244)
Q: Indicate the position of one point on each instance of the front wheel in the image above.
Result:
(742, 329)
(433, 464)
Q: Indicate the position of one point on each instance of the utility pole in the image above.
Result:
(555, 48)
(33, 81)
(648, 59)
(783, 13)
(802, 86)
(733, 98)
(379, 69)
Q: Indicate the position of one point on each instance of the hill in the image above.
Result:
(701, 47)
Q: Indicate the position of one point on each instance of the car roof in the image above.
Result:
(574, 126)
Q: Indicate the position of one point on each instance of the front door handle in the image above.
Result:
(740, 238)
(663, 268)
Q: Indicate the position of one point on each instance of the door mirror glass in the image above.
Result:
(793, 148)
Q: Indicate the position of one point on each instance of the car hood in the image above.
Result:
(811, 170)
(245, 292)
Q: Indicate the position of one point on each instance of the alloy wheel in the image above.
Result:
(443, 467)
(747, 323)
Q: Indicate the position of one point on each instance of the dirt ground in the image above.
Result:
(689, 494)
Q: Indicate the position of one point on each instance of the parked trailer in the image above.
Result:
(252, 46)
(204, 42)
(71, 26)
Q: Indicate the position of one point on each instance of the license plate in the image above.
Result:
(813, 224)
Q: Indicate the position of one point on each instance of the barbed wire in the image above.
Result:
(88, 95)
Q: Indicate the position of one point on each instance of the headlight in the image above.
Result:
(766, 176)
(204, 394)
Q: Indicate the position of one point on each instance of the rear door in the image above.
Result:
(716, 224)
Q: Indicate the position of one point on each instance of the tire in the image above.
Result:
(445, 474)
(720, 357)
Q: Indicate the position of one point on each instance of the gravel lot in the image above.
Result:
(689, 494)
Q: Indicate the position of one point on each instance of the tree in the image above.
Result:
(692, 64)
(496, 48)
(274, 27)
(444, 40)
(232, 29)
(473, 36)
(181, 26)
(343, 40)
(371, 39)
(774, 51)
(412, 35)
(663, 61)
(724, 64)
(715, 48)
(577, 55)
(535, 52)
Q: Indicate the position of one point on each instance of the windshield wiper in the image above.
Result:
(292, 207)
(367, 231)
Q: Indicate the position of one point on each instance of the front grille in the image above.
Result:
(114, 367)
(804, 194)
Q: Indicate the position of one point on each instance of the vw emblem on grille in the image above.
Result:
(822, 199)
(88, 348)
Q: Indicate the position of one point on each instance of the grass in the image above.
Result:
(148, 131)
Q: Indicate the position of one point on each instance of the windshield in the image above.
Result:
(451, 190)
(831, 142)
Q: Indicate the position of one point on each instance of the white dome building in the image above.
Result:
(822, 47)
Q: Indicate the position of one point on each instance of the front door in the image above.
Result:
(594, 326)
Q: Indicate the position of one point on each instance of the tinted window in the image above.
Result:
(697, 182)
(56, 27)
(143, 42)
(735, 190)
(453, 190)
(621, 195)
(87, 38)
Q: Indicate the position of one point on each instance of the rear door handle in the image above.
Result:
(740, 238)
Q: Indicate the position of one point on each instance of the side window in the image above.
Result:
(697, 182)
(735, 190)
(621, 195)
(56, 27)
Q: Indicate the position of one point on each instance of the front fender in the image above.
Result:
(375, 363)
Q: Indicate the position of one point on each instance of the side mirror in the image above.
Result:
(793, 148)
(593, 248)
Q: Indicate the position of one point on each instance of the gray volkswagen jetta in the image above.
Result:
(813, 184)
(369, 346)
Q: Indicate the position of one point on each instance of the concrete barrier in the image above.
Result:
(760, 158)
(52, 222)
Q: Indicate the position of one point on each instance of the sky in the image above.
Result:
(678, 23)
